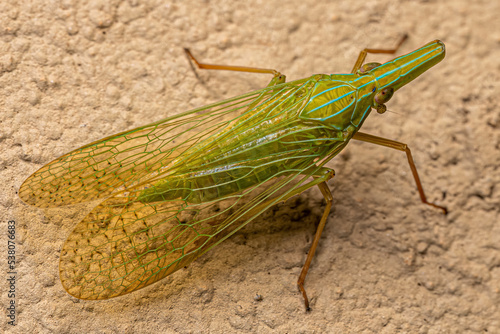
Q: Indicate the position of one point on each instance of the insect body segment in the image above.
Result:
(343, 100)
(404, 69)
(272, 139)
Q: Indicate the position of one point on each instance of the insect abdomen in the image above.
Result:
(210, 184)
(243, 170)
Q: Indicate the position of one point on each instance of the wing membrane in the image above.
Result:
(119, 162)
(124, 244)
(178, 187)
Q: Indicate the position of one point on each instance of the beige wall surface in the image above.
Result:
(73, 72)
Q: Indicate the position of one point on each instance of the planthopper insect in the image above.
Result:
(173, 189)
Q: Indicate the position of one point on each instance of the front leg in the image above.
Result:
(401, 147)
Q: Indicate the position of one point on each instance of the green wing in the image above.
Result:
(124, 244)
(124, 160)
(133, 239)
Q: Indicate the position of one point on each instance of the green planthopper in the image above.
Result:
(174, 189)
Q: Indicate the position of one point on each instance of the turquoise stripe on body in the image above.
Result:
(330, 102)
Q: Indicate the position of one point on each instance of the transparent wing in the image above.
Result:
(119, 162)
(178, 187)
(124, 244)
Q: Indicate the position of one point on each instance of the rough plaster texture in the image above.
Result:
(73, 72)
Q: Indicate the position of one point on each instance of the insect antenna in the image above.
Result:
(393, 112)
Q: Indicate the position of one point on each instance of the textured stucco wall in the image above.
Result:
(73, 72)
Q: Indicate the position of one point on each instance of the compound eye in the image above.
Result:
(367, 68)
(384, 95)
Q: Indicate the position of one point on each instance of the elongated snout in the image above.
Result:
(402, 70)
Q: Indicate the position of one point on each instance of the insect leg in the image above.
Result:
(322, 176)
(362, 54)
(402, 147)
(323, 186)
(275, 73)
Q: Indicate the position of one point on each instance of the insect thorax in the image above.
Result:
(341, 102)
